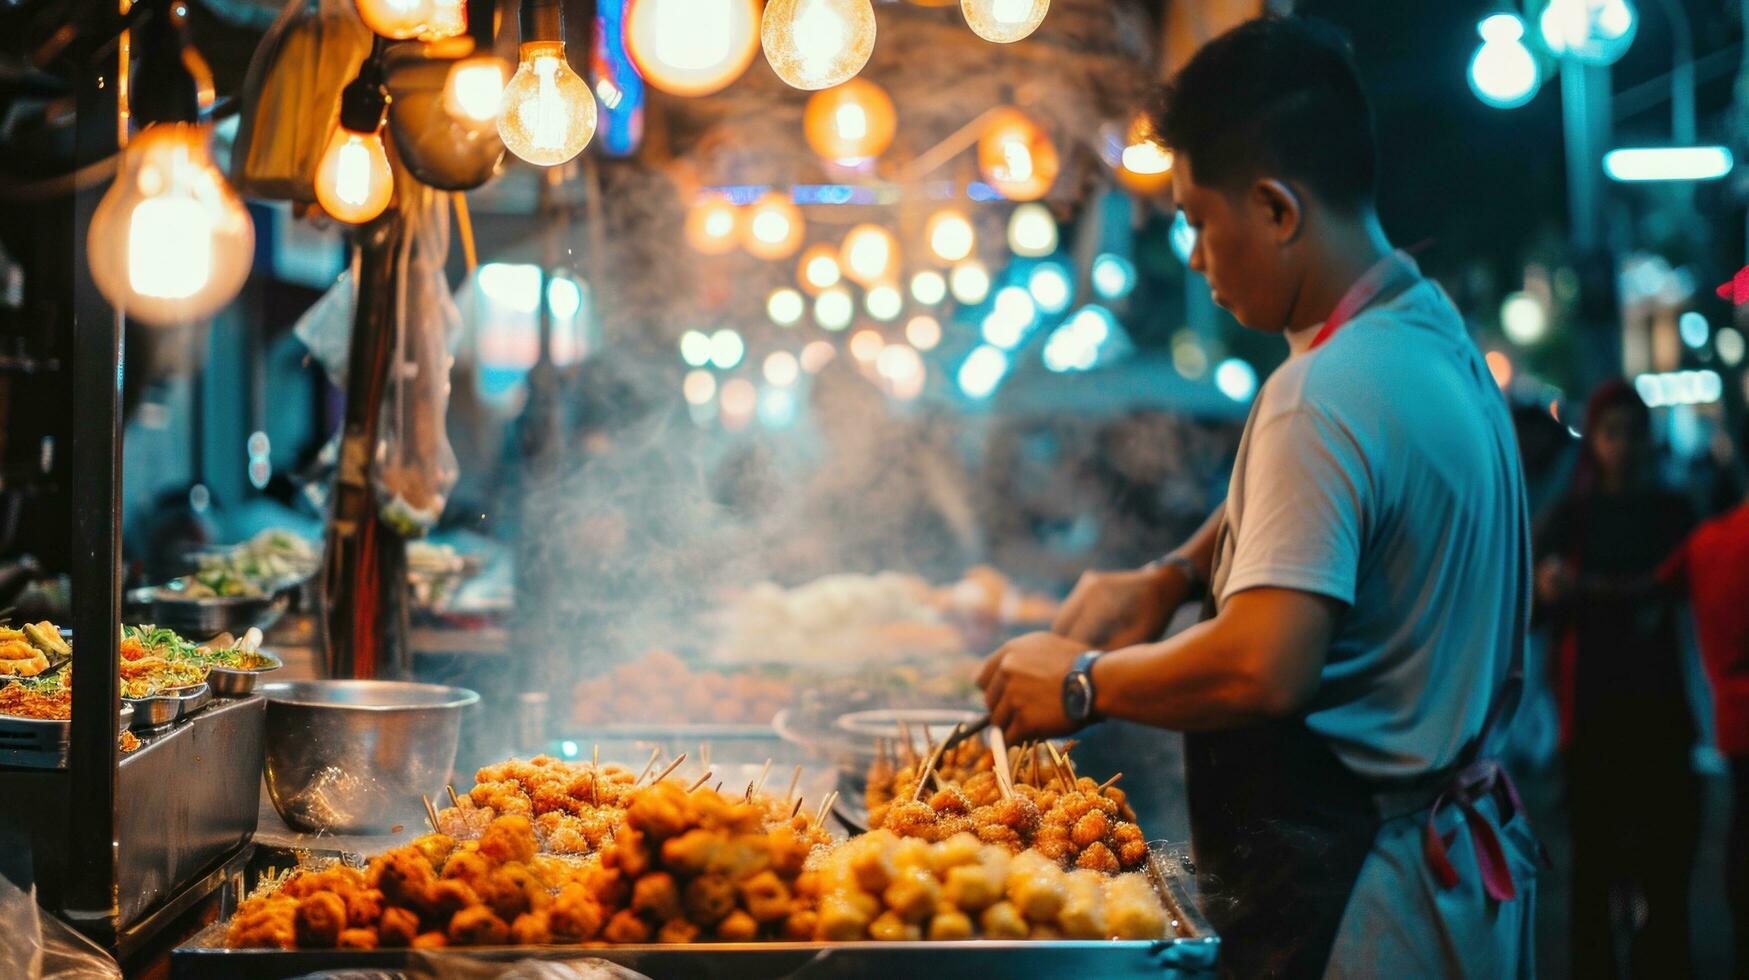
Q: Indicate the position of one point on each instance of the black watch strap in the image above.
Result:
(1079, 694)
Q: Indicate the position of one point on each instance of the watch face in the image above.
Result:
(1077, 696)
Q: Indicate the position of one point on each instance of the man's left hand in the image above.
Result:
(1023, 685)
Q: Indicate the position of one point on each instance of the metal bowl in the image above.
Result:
(354, 757)
(161, 606)
(234, 682)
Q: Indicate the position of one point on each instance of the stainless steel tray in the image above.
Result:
(232, 682)
(165, 709)
(41, 743)
(1192, 952)
(208, 617)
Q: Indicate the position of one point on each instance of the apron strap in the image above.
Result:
(1475, 782)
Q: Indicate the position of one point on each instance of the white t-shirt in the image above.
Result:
(1381, 469)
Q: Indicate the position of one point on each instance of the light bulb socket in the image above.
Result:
(165, 87)
(540, 20)
(363, 101)
(482, 15)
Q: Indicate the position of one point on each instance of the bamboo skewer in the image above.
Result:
(794, 781)
(826, 807)
(1037, 776)
(669, 769)
(759, 786)
(796, 809)
(1061, 767)
(595, 757)
(999, 762)
(910, 750)
(594, 793)
(655, 753)
(929, 766)
(1109, 783)
(700, 781)
(454, 800)
(431, 814)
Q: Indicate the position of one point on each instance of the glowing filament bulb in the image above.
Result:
(548, 113)
(1018, 161)
(852, 121)
(1004, 21)
(704, 38)
(816, 44)
(170, 248)
(474, 89)
(353, 181)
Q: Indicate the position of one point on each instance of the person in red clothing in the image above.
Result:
(1712, 569)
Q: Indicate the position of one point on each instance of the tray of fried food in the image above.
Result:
(1067, 818)
(36, 727)
(686, 864)
(31, 650)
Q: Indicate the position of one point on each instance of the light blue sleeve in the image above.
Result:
(1304, 504)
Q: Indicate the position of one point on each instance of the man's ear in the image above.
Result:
(1282, 206)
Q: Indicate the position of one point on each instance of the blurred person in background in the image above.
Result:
(1626, 726)
(1711, 569)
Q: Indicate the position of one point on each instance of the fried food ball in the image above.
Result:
(765, 896)
(872, 866)
(319, 920)
(950, 924)
(788, 850)
(448, 898)
(1090, 829)
(891, 927)
(1036, 886)
(512, 890)
(678, 930)
(358, 939)
(403, 876)
(1055, 848)
(1098, 857)
(1133, 853)
(626, 927)
(693, 851)
(956, 850)
(799, 926)
(478, 925)
(430, 940)
(910, 819)
(738, 927)
(469, 868)
(999, 834)
(264, 923)
(398, 927)
(972, 887)
(708, 898)
(575, 915)
(531, 929)
(950, 800)
(509, 838)
(841, 920)
(913, 894)
(1003, 921)
(1083, 914)
(1133, 908)
(630, 853)
(435, 848)
(659, 810)
(657, 896)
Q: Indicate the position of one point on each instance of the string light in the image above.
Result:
(816, 44)
(869, 254)
(970, 282)
(1004, 21)
(474, 89)
(780, 368)
(396, 19)
(833, 308)
(866, 345)
(711, 225)
(785, 307)
(1017, 157)
(692, 47)
(695, 348)
(817, 355)
(928, 287)
(774, 227)
(924, 332)
(699, 387)
(851, 122)
(818, 268)
(353, 181)
(884, 302)
(1032, 232)
(950, 235)
(548, 114)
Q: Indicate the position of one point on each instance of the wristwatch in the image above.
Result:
(1078, 693)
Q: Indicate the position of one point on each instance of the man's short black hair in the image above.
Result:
(1274, 97)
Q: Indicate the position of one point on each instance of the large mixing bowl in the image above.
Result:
(354, 757)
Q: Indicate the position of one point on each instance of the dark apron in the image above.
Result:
(1280, 826)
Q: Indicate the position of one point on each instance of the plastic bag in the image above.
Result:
(34, 946)
(326, 328)
(415, 468)
(291, 96)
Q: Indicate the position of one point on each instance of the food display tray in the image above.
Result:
(167, 709)
(42, 743)
(1192, 953)
(211, 616)
(234, 682)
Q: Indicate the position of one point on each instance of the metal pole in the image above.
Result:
(1682, 124)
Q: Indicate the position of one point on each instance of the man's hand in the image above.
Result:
(1109, 610)
(1023, 685)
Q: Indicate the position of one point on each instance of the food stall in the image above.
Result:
(774, 767)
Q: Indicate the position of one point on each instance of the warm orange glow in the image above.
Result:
(1500, 366)
(772, 227)
(870, 255)
(816, 44)
(397, 19)
(1017, 157)
(692, 47)
(1145, 166)
(818, 268)
(353, 181)
(950, 235)
(853, 121)
(711, 226)
(865, 345)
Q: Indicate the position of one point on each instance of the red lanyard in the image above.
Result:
(1388, 277)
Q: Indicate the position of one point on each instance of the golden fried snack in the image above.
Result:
(765, 897)
(891, 927)
(800, 925)
(477, 925)
(398, 927)
(357, 939)
(1083, 914)
(913, 894)
(629, 853)
(1098, 857)
(1133, 908)
(575, 915)
(448, 898)
(531, 929)
(264, 923)
(708, 898)
(657, 896)
(509, 838)
(694, 851)
(678, 931)
(403, 876)
(430, 940)
(950, 924)
(626, 927)
(841, 920)
(319, 920)
(738, 927)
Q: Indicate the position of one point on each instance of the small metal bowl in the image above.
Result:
(160, 606)
(168, 706)
(234, 682)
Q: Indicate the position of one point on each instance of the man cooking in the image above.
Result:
(1368, 577)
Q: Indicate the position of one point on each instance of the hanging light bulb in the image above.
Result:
(170, 243)
(1017, 157)
(869, 254)
(816, 44)
(950, 235)
(819, 268)
(850, 123)
(449, 18)
(774, 227)
(353, 180)
(1144, 166)
(711, 225)
(1032, 232)
(1004, 21)
(692, 47)
(397, 19)
(474, 89)
(548, 114)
